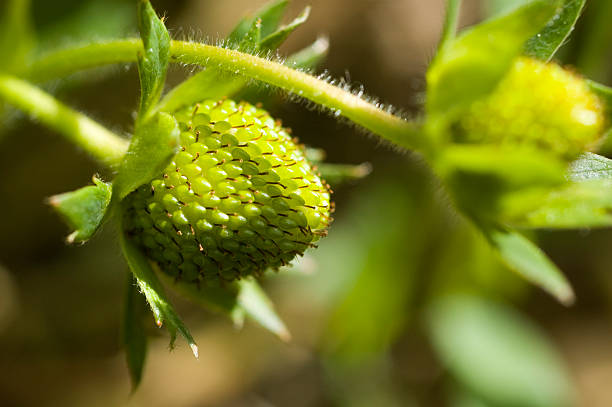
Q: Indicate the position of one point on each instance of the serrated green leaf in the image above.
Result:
(584, 204)
(311, 56)
(591, 166)
(84, 209)
(514, 167)
(153, 64)
(472, 65)
(133, 334)
(525, 258)
(151, 148)
(16, 36)
(258, 306)
(275, 39)
(337, 174)
(153, 291)
(545, 44)
(498, 354)
(270, 15)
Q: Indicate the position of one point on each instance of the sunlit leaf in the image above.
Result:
(472, 65)
(270, 16)
(133, 333)
(275, 39)
(83, 209)
(525, 258)
(258, 306)
(153, 64)
(497, 354)
(545, 44)
(311, 56)
(591, 166)
(152, 289)
(151, 148)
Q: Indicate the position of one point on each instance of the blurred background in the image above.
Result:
(402, 305)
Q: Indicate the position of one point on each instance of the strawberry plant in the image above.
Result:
(210, 192)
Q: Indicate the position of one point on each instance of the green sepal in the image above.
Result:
(530, 262)
(153, 145)
(235, 300)
(470, 67)
(84, 210)
(545, 44)
(275, 39)
(133, 334)
(269, 15)
(497, 353)
(151, 288)
(591, 166)
(153, 64)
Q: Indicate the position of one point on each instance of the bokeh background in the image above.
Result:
(369, 311)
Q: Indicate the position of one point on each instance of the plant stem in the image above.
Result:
(392, 128)
(76, 127)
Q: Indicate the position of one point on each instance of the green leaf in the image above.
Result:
(497, 353)
(83, 209)
(472, 65)
(311, 56)
(275, 39)
(151, 148)
(577, 205)
(152, 289)
(133, 333)
(513, 167)
(525, 258)
(337, 174)
(270, 15)
(153, 64)
(545, 44)
(591, 166)
(16, 36)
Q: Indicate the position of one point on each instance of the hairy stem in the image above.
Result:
(76, 127)
(372, 117)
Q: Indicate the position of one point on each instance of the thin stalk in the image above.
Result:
(451, 21)
(392, 128)
(103, 144)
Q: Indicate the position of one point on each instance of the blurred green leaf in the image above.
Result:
(591, 166)
(133, 332)
(153, 64)
(337, 174)
(311, 56)
(576, 205)
(513, 167)
(16, 36)
(451, 21)
(275, 39)
(525, 258)
(152, 289)
(498, 7)
(497, 354)
(471, 66)
(605, 94)
(151, 148)
(545, 44)
(83, 209)
(258, 306)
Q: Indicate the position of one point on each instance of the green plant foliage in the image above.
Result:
(524, 257)
(17, 38)
(275, 39)
(83, 209)
(258, 306)
(471, 66)
(153, 291)
(591, 166)
(153, 64)
(497, 354)
(151, 149)
(545, 44)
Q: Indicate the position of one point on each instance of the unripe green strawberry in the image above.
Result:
(537, 105)
(238, 198)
